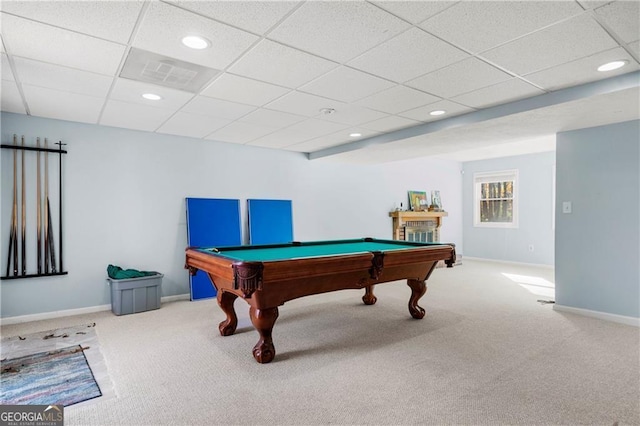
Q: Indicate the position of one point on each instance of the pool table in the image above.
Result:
(267, 276)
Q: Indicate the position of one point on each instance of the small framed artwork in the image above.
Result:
(436, 203)
(418, 200)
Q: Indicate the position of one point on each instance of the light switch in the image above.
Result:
(566, 207)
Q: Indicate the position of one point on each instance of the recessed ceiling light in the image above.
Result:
(152, 96)
(195, 42)
(438, 112)
(355, 135)
(610, 66)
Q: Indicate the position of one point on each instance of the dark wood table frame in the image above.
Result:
(267, 285)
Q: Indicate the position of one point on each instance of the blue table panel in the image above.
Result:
(212, 222)
(270, 221)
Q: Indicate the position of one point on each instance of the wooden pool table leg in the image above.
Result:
(263, 320)
(225, 301)
(418, 289)
(369, 298)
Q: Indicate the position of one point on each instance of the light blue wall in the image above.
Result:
(598, 244)
(124, 196)
(535, 204)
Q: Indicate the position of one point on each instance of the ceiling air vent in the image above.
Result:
(163, 71)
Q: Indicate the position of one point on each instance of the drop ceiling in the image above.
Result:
(277, 67)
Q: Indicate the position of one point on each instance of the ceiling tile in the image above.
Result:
(300, 132)
(132, 91)
(6, 72)
(635, 47)
(192, 125)
(623, 17)
(591, 4)
(346, 85)
(56, 77)
(422, 113)
(11, 99)
(270, 118)
(296, 102)
(397, 99)
(582, 70)
(244, 90)
(49, 44)
(480, 25)
(507, 91)
(407, 56)
(110, 20)
(254, 16)
(239, 132)
(414, 11)
(134, 116)
(461, 77)
(321, 28)
(217, 108)
(333, 139)
(291, 69)
(43, 102)
(164, 26)
(529, 146)
(390, 123)
(352, 114)
(552, 46)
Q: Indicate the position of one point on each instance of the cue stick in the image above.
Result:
(14, 224)
(59, 203)
(10, 243)
(24, 218)
(52, 250)
(46, 209)
(39, 208)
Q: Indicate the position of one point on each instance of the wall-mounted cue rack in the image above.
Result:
(48, 262)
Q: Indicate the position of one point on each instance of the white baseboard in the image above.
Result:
(185, 296)
(79, 311)
(538, 265)
(600, 315)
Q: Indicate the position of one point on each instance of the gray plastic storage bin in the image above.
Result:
(133, 295)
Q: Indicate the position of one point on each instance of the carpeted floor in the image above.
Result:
(486, 353)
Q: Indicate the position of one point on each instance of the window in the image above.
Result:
(496, 199)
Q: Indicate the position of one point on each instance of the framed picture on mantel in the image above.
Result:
(436, 203)
(418, 201)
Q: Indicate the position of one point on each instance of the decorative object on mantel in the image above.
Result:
(418, 201)
(44, 222)
(436, 203)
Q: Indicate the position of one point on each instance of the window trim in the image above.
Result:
(495, 176)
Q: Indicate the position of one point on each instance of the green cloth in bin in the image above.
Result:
(117, 273)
